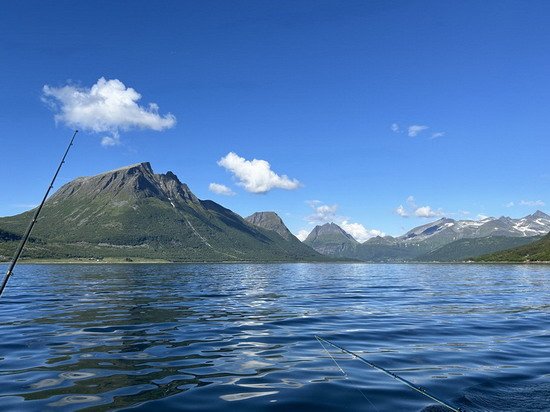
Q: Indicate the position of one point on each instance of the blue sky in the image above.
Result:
(313, 88)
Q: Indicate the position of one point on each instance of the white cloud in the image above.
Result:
(113, 140)
(531, 203)
(415, 129)
(510, 204)
(427, 211)
(323, 213)
(360, 232)
(106, 107)
(256, 175)
(413, 209)
(220, 189)
(482, 217)
(302, 234)
(401, 211)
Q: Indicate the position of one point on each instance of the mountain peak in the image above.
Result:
(539, 214)
(133, 212)
(331, 230)
(270, 221)
(330, 239)
(144, 167)
(133, 181)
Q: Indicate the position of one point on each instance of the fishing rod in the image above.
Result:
(34, 220)
(387, 372)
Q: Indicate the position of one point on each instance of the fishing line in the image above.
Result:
(345, 374)
(391, 374)
(33, 220)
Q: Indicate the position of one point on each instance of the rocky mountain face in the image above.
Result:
(271, 221)
(134, 212)
(443, 240)
(331, 240)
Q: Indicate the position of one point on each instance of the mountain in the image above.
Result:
(331, 240)
(443, 240)
(381, 240)
(538, 251)
(270, 221)
(132, 212)
(444, 230)
(467, 248)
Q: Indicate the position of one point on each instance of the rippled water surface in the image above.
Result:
(241, 337)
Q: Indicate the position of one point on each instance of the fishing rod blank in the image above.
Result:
(390, 374)
(34, 220)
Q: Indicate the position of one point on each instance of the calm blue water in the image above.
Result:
(241, 337)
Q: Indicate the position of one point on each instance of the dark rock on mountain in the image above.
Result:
(6, 236)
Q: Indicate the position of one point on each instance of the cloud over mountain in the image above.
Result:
(360, 232)
(255, 175)
(106, 107)
(302, 234)
(323, 213)
(537, 203)
(220, 189)
(412, 209)
(427, 211)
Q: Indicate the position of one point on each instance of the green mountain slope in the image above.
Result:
(6, 236)
(134, 213)
(538, 251)
(465, 249)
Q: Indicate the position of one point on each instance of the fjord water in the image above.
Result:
(240, 337)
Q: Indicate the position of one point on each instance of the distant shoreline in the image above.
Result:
(86, 261)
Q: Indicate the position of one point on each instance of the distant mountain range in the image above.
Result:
(132, 213)
(443, 240)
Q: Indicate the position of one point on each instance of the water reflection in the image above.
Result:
(211, 337)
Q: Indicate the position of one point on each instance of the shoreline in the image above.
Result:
(87, 261)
